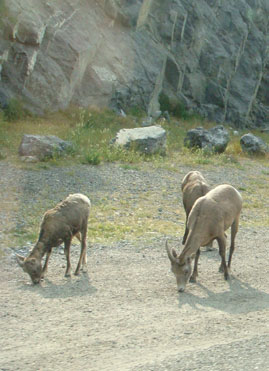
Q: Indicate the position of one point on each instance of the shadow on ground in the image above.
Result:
(70, 287)
(239, 298)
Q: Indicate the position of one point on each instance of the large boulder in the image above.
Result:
(148, 140)
(254, 145)
(213, 140)
(41, 147)
(125, 53)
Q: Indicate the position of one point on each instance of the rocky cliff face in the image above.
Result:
(211, 55)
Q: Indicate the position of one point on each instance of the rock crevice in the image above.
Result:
(211, 56)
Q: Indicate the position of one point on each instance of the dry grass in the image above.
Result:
(256, 200)
(119, 217)
(115, 218)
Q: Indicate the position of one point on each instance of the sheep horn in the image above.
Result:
(170, 255)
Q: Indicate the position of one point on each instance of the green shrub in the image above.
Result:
(14, 110)
(176, 109)
(92, 136)
(4, 137)
(92, 157)
(165, 104)
(136, 111)
(180, 111)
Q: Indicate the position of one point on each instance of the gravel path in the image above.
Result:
(126, 314)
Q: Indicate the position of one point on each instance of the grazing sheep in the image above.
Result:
(210, 217)
(67, 219)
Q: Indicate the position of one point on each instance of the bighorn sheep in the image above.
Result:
(193, 186)
(67, 219)
(210, 217)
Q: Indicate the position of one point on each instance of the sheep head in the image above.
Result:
(32, 266)
(181, 267)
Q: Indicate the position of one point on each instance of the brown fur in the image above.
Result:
(67, 219)
(193, 186)
(210, 217)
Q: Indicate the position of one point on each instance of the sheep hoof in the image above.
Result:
(193, 279)
(77, 273)
(67, 274)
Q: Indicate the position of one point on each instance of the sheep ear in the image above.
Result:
(172, 255)
(20, 260)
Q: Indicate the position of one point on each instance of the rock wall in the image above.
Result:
(211, 55)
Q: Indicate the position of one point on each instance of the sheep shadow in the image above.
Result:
(69, 287)
(240, 298)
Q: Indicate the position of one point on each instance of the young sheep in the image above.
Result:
(67, 219)
(210, 217)
(193, 186)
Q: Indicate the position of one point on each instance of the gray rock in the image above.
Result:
(122, 113)
(156, 115)
(166, 115)
(148, 140)
(29, 159)
(211, 54)
(253, 145)
(213, 140)
(37, 147)
(147, 122)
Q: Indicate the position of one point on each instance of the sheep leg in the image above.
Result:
(45, 267)
(222, 252)
(84, 261)
(83, 252)
(221, 269)
(185, 235)
(195, 269)
(234, 230)
(67, 244)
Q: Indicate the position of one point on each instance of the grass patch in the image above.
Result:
(234, 147)
(91, 132)
(136, 112)
(255, 201)
(92, 136)
(130, 167)
(113, 219)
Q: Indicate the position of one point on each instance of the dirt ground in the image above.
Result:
(126, 314)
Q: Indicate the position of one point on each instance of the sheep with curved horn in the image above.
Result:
(210, 217)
